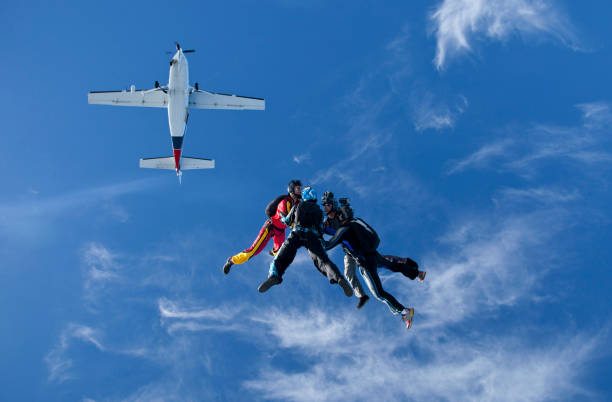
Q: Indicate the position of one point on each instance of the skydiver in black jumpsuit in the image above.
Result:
(405, 266)
(306, 219)
(362, 242)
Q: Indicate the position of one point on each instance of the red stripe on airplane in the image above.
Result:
(177, 159)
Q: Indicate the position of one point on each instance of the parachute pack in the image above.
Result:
(271, 208)
(368, 238)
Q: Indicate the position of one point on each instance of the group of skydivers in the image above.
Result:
(299, 211)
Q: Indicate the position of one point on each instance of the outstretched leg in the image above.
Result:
(350, 266)
(281, 262)
(370, 274)
(405, 266)
(325, 265)
(259, 244)
(350, 263)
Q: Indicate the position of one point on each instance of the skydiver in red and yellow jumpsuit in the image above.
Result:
(272, 228)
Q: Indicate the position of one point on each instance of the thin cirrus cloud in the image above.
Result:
(63, 203)
(58, 363)
(481, 157)
(487, 253)
(301, 158)
(101, 268)
(429, 113)
(374, 364)
(544, 142)
(180, 317)
(542, 195)
(457, 24)
(27, 218)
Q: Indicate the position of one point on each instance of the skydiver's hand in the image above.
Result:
(285, 220)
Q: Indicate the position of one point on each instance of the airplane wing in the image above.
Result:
(155, 97)
(209, 100)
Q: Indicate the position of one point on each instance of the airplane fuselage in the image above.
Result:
(178, 103)
(178, 97)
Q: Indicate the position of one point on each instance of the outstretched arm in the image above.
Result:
(336, 239)
(288, 220)
(328, 230)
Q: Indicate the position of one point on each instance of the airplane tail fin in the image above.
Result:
(168, 163)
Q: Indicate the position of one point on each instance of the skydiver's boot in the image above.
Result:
(421, 276)
(228, 265)
(268, 283)
(346, 287)
(273, 279)
(407, 316)
(362, 300)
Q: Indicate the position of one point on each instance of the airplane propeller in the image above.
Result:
(178, 47)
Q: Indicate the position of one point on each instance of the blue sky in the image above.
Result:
(473, 136)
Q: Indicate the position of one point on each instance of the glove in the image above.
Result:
(285, 220)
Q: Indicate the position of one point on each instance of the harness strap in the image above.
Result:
(304, 229)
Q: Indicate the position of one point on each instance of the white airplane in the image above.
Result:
(177, 97)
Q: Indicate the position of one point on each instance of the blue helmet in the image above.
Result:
(309, 194)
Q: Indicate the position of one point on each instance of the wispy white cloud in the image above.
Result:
(430, 113)
(58, 363)
(486, 254)
(458, 23)
(596, 114)
(318, 328)
(301, 158)
(170, 309)
(481, 157)
(427, 106)
(118, 212)
(544, 142)
(541, 195)
(26, 218)
(64, 203)
(101, 268)
(182, 317)
(367, 140)
(363, 363)
(161, 391)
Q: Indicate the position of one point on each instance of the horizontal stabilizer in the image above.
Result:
(158, 163)
(168, 163)
(196, 163)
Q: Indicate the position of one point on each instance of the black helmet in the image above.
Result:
(292, 184)
(328, 198)
(345, 211)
